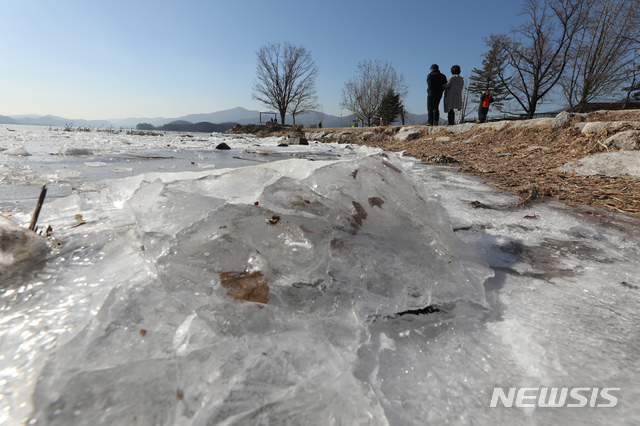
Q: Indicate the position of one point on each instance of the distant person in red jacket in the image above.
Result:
(485, 100)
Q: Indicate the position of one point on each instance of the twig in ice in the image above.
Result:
(36, 212)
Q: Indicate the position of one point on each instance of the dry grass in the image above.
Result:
(522, 160)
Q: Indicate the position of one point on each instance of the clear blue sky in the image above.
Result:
(158, 58)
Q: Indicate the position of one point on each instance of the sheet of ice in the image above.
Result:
(131, 317)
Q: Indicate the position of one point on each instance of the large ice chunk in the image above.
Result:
(355, 236)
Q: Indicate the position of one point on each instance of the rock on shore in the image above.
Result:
(610, 164)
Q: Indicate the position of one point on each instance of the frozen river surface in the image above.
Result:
(316, 285)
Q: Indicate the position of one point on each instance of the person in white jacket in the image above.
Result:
(453, 94)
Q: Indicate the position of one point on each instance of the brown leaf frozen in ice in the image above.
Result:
(250, 287)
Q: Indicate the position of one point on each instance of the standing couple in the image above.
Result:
(437, 83)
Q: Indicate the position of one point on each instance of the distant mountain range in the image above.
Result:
(235, 115)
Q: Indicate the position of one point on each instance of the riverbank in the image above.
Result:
(520, 156)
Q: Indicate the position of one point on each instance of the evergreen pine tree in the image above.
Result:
(390, 107)
(487, 78)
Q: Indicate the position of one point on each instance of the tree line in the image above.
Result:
(584, 50)
(588, 49)
(286, 82)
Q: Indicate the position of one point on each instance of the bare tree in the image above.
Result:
(286, 77)
(468, 107)
(362, 95)
(308, 101)
(602, 51)
(632, 78)
(537, 52)
(403, 115)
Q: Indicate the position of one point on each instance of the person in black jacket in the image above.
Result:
(435, 81)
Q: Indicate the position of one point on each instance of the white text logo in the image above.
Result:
(554, 397)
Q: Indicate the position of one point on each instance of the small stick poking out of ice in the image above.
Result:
(36, 212)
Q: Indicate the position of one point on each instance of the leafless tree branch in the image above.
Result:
(285, 78)
(602, 51)
(362, 94)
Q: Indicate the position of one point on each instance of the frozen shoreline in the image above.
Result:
(561, 307)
